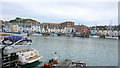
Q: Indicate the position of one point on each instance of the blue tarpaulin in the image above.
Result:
(13, 38)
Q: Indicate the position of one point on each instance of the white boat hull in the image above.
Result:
(36, 59)
(109, 37)
(94, 36)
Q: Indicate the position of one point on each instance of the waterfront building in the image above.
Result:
(67, 24)
(82, 29)
(67, 27)
(64, 27)
(105, 30)
(14, 28)
(52, 27)
(35, 28)
(5, 26)
(29, 26)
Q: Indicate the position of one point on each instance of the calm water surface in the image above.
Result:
(94, 52)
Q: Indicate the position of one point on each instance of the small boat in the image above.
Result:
(69, 35)
(35, 34)
(12, 40)
(53, 34)
(94, 36)
(52, 62)
(64, 64)
(111, 37)
(84, 36)
(2, 35)
(5, 34)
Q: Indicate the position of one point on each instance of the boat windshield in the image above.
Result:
(23, 43)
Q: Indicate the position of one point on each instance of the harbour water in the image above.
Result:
(92, 51)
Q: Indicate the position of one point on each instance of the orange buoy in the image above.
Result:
(45, 64)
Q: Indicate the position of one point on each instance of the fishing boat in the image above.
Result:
(20, 47)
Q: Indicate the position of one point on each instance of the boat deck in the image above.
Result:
(35, 57)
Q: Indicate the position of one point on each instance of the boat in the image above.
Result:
(69, 34)
(2, 35)
(26, 54)
(66, 63)
(52, 62)
(22, 50)
(82, 35)
(53, 34)
(111, 37)
(94, 36)
(35, 34)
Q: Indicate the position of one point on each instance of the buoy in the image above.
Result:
(46, 65)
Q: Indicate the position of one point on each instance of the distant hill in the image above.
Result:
(20, 20)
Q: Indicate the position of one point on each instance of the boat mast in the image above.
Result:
(110, 28)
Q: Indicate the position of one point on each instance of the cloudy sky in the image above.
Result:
(85, 12)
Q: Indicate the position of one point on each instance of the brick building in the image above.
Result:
(82, 29)
(67, 24)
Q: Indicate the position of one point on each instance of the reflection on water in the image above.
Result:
(94, 52)
(31, 65)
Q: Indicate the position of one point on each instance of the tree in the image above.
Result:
(17, 18)
(12, 21)
(20, 20)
